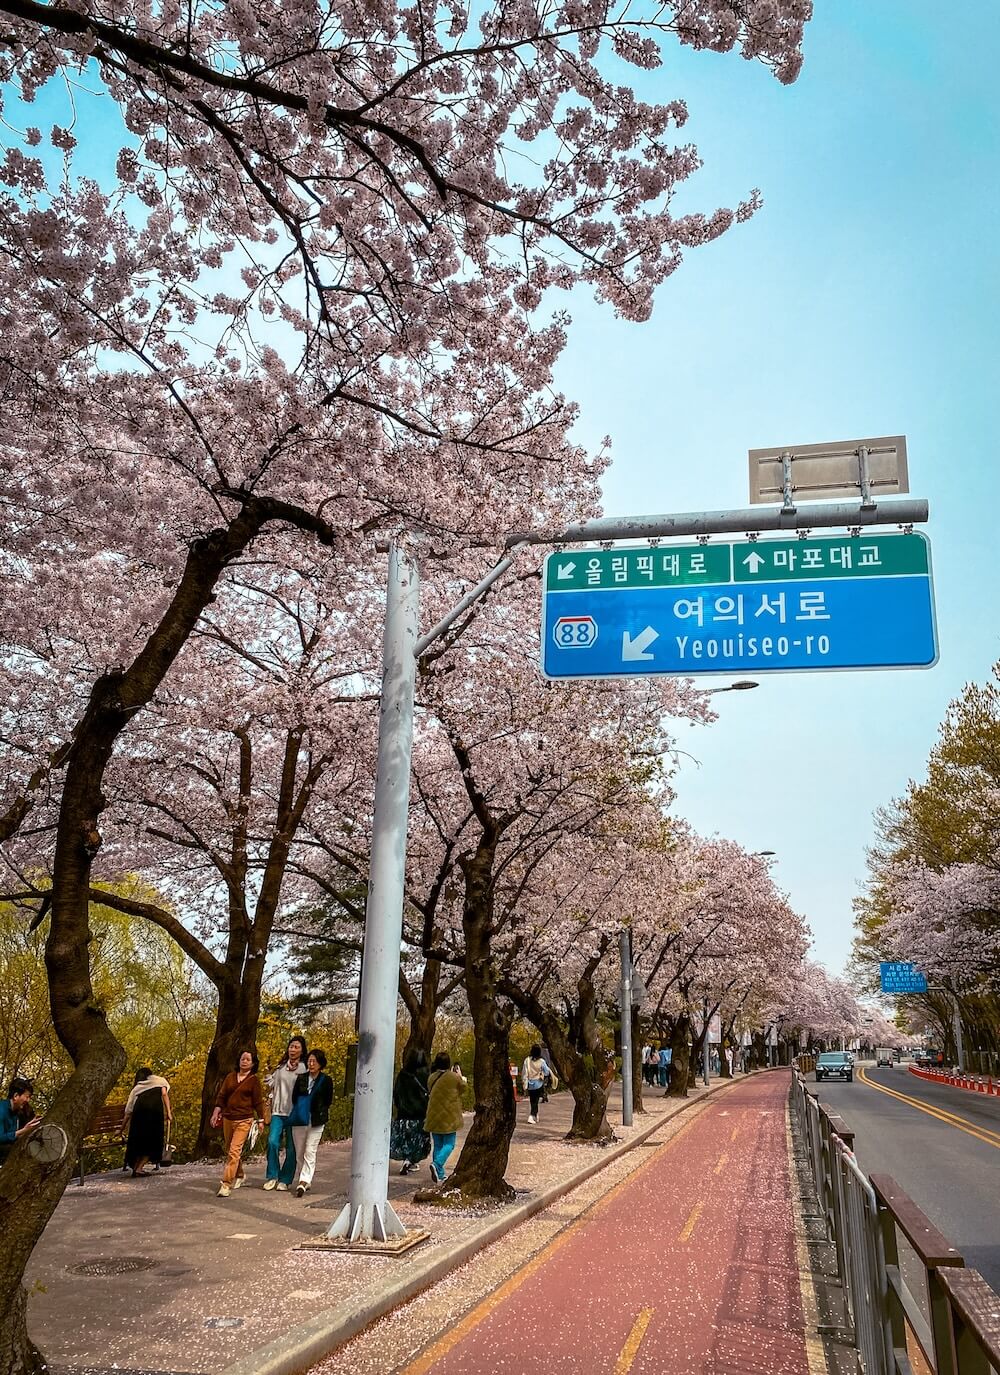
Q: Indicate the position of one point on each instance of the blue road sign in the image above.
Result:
(899, 977)
(844, 613)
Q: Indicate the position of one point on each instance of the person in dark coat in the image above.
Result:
(408, 1141)
(147, 1114)
(311, 1100)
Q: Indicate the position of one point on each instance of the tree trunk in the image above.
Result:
(587, 1072)
(423, 1010)
(483, 1162)
(680, 1058)
(636, 1063)
(235, 1031)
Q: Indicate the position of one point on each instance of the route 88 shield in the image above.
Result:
(574, 632)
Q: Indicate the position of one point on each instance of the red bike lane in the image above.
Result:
(688, 1267)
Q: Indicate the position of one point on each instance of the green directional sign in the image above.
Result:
(749, 561)
(678, 565)
(865, 556)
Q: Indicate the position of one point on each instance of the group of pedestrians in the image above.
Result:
(427, 1107)
(656, 1064)
(295, 1113)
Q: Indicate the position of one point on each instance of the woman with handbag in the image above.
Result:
(535, 1073)
(311, 1099)
(238, 1102)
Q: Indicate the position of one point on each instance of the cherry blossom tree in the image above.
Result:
(285, 316)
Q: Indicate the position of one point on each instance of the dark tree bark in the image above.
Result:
(483, 1162)
(680, 1057)
(29, 1190)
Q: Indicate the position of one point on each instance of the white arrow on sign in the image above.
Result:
(754, 560)
(636, 649)
(565, 570)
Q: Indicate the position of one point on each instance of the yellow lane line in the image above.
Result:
(950, 1119)
(723, 1158)
(735, 1132)
(429, 1358)
(692, 1221)
(628, 1352)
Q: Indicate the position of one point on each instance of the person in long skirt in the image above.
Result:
(147, 1114)
(408, 1141)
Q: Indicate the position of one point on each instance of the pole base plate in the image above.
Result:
(394, 1246)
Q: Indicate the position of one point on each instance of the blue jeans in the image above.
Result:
(278, 1133)
(444, 1144)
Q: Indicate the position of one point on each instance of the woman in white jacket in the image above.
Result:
(280, 1173)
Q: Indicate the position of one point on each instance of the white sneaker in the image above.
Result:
(283, 1187)
(271, 1184)
(238, 1181)
(223, 1191)
(533, 1121)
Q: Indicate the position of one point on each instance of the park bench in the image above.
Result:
(104, 1129)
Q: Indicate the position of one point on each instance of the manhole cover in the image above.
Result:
(112, 1265)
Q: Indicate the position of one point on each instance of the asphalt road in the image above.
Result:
(948, 1164)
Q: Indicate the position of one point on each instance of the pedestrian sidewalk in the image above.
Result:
(219, 1285)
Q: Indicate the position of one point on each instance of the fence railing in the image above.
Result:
(949, 1312)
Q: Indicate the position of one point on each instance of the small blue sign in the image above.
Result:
(787, 624)
(899, 977)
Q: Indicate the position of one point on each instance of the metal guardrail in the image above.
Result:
(864, 1220)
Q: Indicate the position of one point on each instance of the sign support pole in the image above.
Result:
(625, 1002)
(368, 1215)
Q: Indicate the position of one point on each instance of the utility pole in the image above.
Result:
(704, 1042)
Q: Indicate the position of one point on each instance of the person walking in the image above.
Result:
(239, 1100)
(535, 1073)
(311, 1099)
(408, 1141)
(16, 1119)
(144, 1126)
(663, 1068)
(281, 1082)
(444, 1111)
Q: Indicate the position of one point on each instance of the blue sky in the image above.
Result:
(861, 300)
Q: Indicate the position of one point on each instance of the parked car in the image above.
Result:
(835, 1064)
(883, 1056)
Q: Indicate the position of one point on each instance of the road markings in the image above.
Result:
(628, 1352)
(950, 1119)
(723, 1158)
(434, 1353)
(692, 1221)
(735, 1132)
